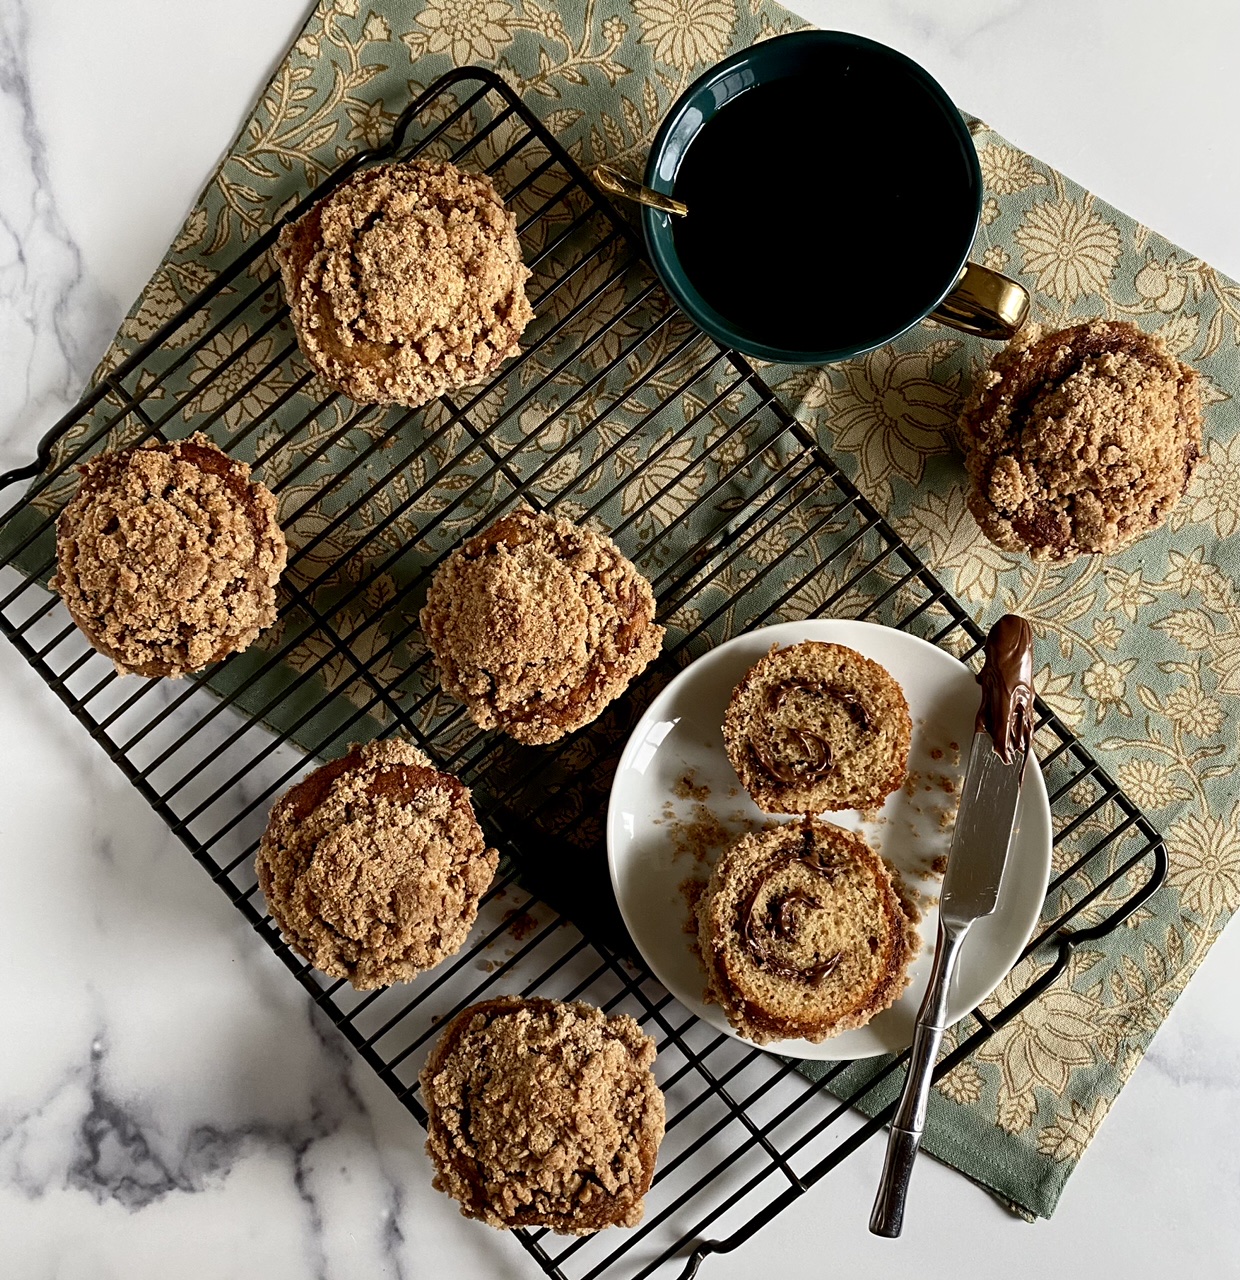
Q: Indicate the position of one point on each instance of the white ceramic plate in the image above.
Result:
(680, 735)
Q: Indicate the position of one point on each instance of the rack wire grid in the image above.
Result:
(617, 411)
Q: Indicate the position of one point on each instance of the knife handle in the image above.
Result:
(887, 1216)
(909, 1121)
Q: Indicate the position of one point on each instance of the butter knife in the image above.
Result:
(979, 850)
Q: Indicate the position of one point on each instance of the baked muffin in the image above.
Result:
(543, 1114)
(405, 282)
(1081, 440)
(817, 726)
(373, 865)
(167, 557)
(803, 934)
(537, 624)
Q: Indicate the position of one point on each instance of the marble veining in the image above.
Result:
(113, 1159)
(54, 324)
(113, 1147)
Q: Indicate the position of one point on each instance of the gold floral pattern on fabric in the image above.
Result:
(1005, 170)
(240, 388)
(1068, 249)
(941, 525)
(468, 30)
(1214, 499)
(888, 410)
(687, 34)
(1205, 860)
(1070, 1134)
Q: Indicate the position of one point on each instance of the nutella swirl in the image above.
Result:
(782, 920)
(812, 745)
(1006, 677)
(778, 694)
(818, 750)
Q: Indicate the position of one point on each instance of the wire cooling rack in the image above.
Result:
(617, 410)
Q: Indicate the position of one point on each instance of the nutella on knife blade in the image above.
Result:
(1006, 678)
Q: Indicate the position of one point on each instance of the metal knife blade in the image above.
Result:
(985, 823)
(979, 851)
(987, 815)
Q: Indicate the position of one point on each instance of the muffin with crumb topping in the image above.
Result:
(543, 1114)
(537, 624)
(168, 556)
(406, 281)
(374, 865)
(1080, 440)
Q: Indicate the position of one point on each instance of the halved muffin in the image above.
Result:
(802, 933)
(815, 727)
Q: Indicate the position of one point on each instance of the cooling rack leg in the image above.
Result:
(700, 1250)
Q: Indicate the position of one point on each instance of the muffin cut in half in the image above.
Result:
(168, 556)
(1080, 440)
(802, 933)
(815, 727)
(406, 281)
(537, 624)
(373, 865)
(542, 1114)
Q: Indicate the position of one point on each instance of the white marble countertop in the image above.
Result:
(167, 1104)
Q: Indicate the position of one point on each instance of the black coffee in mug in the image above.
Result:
(833, 193)
(827, 208)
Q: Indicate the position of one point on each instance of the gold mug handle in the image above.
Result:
(984, 303)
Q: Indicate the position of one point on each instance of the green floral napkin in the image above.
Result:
(1140, 653)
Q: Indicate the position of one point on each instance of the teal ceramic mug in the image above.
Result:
(833, 195)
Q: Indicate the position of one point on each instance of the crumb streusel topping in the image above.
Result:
(405, 282)
(373, 865)
(537, 624)
(544, 1114)
(1080, 440)
(168, 556)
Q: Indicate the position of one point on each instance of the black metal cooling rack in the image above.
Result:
(618, 410)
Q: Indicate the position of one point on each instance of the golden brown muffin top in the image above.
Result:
(406, 281)
(168, 556)
(537, 624)
(544, 1114)
(374, 864)
(1080, 440)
